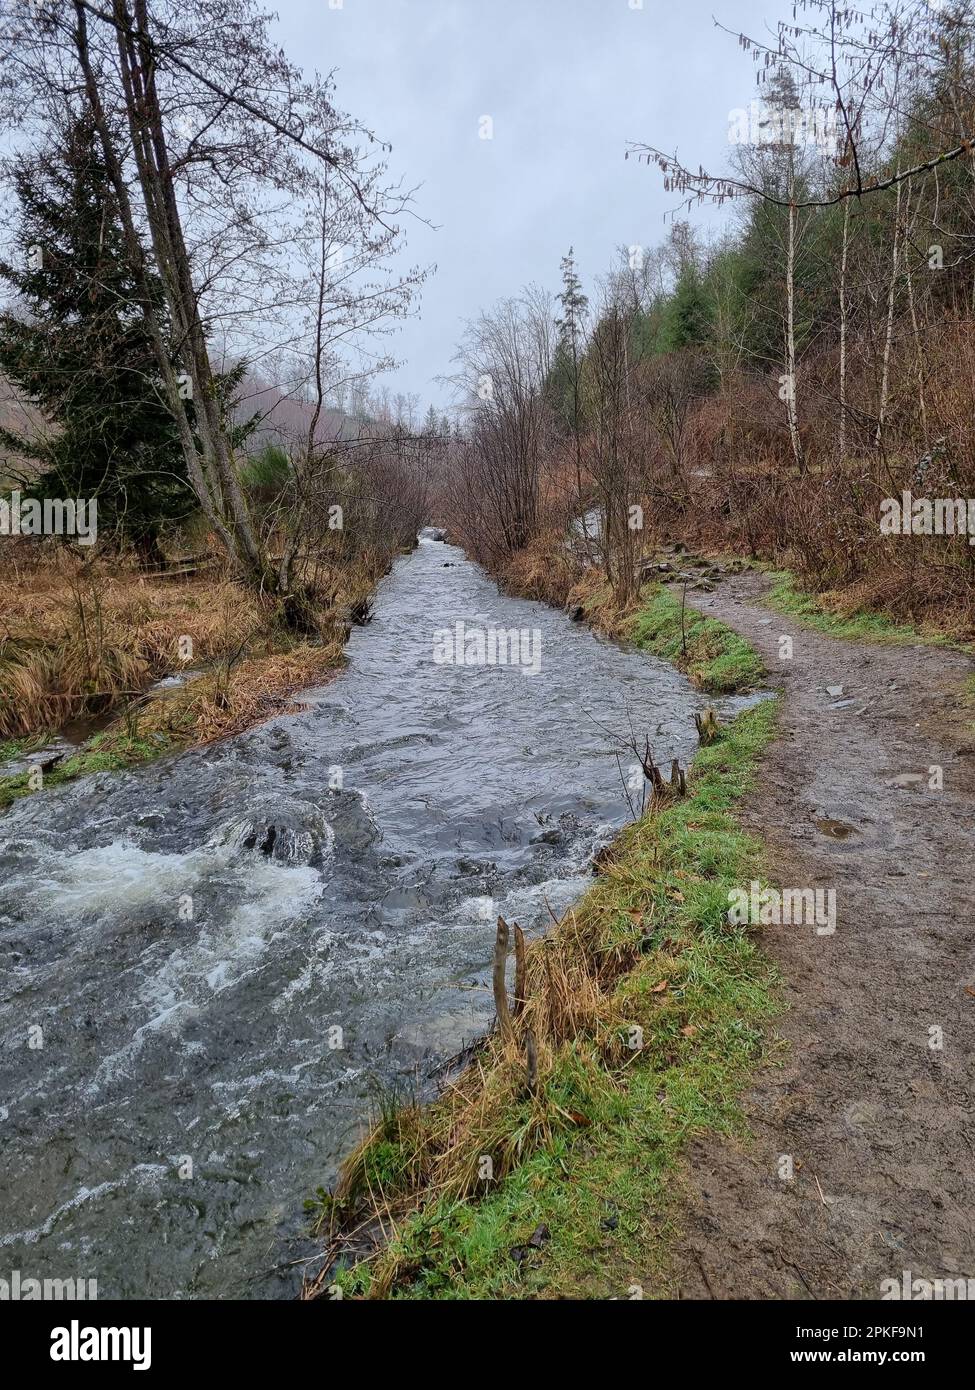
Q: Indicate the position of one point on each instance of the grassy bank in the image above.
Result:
(646, 1012)
(713, 657)
(839, 615)
(104, 753)
(87, 643)
(224, 700)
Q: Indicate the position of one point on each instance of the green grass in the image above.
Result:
(607, 1190)
(968, 693)
(809, 608)
(714, 657)
(11, 748)
(97, 756)
(17, 747)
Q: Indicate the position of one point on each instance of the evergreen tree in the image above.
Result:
(688, 316)
(76, 346)
(563, 384)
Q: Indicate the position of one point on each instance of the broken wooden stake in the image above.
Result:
(707, 726)
(678, 779)
(500, 990)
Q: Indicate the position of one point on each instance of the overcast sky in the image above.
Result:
(567, 83)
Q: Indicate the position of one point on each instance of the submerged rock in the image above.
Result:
(289, 832)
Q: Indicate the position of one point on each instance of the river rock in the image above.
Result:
(548, 837)
(45, 758)
(467, 867)
(288, 831)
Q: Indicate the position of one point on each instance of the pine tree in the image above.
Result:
(75, 345)
(689, 313)
(564, 379)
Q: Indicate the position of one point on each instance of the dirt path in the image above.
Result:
(880, 1124)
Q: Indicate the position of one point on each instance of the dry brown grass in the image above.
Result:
(603, 611)
(569, 585)
(570, 1009)
(545, 570)
(80, 638)
(232, 698)
(550, 573)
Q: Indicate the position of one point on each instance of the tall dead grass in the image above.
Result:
(76, 639)
(546, 570)
(80, 638)
(502, 1103)
(233, 697)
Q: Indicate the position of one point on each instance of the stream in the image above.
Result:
(210, 966)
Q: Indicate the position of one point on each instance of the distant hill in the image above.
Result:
(285, 419)
(20, 419)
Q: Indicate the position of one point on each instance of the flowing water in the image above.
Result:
(209, 964)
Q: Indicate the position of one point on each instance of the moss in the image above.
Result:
(107, 752)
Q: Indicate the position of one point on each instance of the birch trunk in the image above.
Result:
(204, 439)
(792, 404)
(889, 335)
(843, 326)
(202, 485)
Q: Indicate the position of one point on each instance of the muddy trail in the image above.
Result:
(879, 1120)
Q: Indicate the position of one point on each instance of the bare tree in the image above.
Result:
(217, 147)
(504, 365)
(611, 447)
